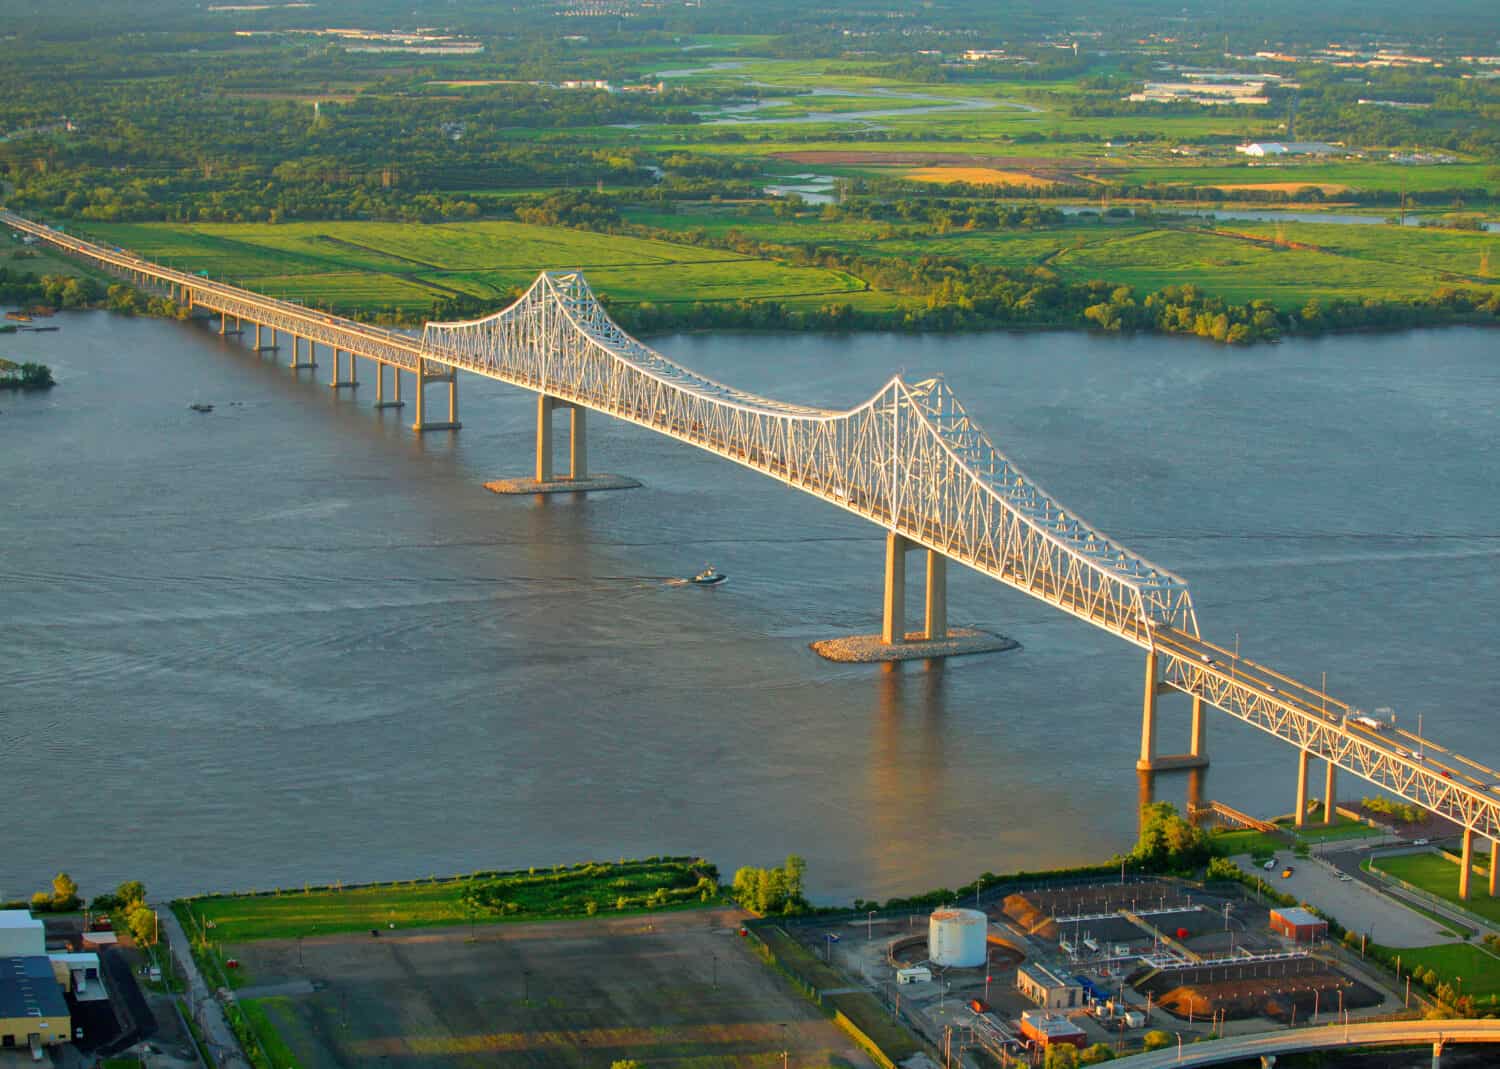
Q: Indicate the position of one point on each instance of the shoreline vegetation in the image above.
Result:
(25, 376)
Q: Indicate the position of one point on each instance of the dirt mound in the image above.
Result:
(1031, 919)
(1272, 990)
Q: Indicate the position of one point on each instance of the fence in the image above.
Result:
(1484, 924)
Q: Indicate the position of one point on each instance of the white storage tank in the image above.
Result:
(957, 937)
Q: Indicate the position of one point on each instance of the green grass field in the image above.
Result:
(404, 267)
(1436, 875)
(1479, 969)
(258, 1014)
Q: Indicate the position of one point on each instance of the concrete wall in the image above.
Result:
(16, 1031)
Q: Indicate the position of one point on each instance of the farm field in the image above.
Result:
(406, 267)
(680, 989)
(1289, 263)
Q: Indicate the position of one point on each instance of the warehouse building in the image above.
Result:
(21, 934)
(1298, 924)
(33, 1012)
(1049, 990)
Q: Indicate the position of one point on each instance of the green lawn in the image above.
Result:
(534, 894)
(1479, 969)
(1254, 843)
(1342, 828)
(257, 1012)
(1437, 875)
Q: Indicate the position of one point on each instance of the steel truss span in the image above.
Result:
(909, 459)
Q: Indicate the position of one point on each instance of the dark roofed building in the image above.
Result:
(33, 1011)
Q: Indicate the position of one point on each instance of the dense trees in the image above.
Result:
(776, 890)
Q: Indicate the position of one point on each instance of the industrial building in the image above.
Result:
(33, 1012)
(1260, 149)
(21, 934)
(1049, 990)
(1298, 924)
(1049, 1029)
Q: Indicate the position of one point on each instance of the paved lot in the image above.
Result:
(1358, 907)
(579, 993)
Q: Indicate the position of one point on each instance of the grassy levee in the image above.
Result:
(614, 887)
(868, 1018)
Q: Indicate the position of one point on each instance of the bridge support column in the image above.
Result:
(426, 378)
(380, 401)
(336, 383)
(544, 438)
(1300, 818)
(223, 323)
(1150, 760)
(1437, 1055)
(1147, 761)
(1267, 1061)
(893, 616)
(257, 337)
(1494, 864)
(935, 601)
(547, 481)
(1330, 781)
(297, 361)
(1466, 866)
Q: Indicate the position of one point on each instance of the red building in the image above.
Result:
(1046, 1029)
(1298, 924)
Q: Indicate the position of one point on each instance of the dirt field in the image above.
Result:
(1328, 188)
(978, 176)
(1036, 170)
(580, 993)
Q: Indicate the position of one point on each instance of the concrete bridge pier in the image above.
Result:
(1466, 866)
(1330, 782)
(1300, 817)
(1494, 864)
(894, 642)
(546, 480)
(1267, 1061)
(893, 618)
(380, 401)
(1437, 1054)
(426, 378)
(352, 382)
(297, 361)
(1152, 761)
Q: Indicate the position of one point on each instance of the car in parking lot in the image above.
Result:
(1286, 873)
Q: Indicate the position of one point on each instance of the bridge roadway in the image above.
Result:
(910, 460)
(1268, 1045)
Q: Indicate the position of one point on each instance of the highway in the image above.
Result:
(1325, 1037)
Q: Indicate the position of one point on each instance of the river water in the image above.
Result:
(291, 641)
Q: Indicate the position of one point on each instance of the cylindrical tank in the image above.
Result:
(956, 937)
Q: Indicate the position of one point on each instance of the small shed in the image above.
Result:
(1298, 924)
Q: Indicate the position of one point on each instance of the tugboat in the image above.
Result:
(708, 577)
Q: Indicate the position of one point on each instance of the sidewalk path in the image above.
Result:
(223, 1047)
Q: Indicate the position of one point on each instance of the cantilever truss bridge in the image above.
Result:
(910, 460)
